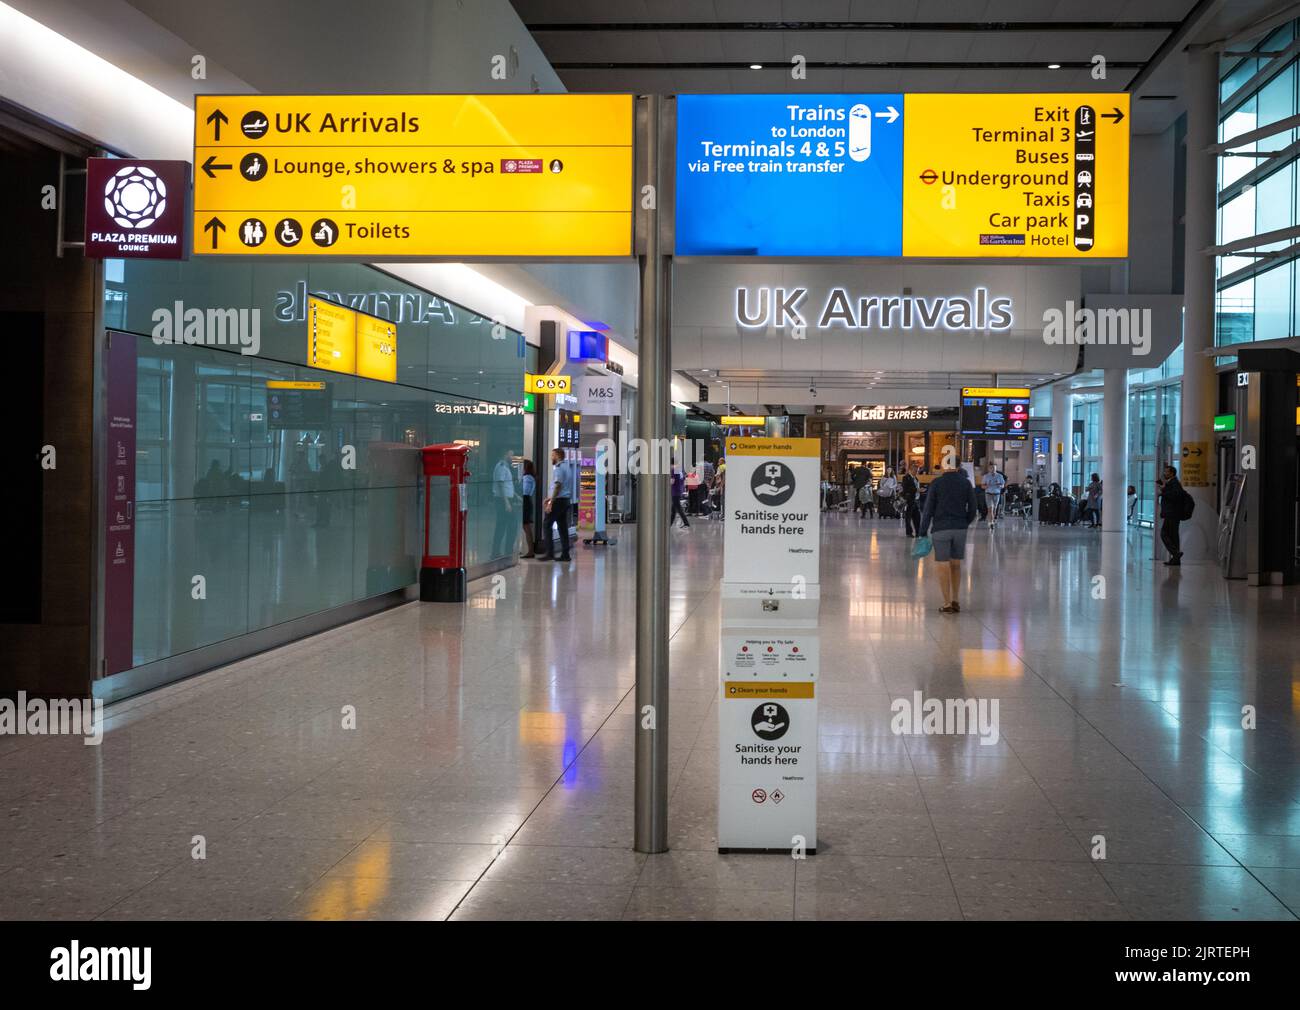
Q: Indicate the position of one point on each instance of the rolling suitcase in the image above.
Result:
(1049, 510)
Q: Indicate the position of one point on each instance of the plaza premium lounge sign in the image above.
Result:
(136, 209)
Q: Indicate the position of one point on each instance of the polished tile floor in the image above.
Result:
(489, 773)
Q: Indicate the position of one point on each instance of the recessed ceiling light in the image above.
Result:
(756, 66)
(1053, 66)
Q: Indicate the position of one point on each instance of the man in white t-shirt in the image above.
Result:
(993, 484)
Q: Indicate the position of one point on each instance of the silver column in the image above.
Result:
(1200, 382)
(1114, 451)
(1062, 428)
(650, 828)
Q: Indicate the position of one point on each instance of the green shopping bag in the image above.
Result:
(922, 547)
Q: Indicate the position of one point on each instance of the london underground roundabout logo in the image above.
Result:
(135, 197)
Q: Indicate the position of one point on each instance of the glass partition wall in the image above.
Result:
(294, 490)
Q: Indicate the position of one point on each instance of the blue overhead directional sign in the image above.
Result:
(787, 175)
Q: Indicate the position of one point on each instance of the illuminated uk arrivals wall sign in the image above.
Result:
(781, 307)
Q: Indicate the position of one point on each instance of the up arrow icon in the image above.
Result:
(216, 118)
(215, 226)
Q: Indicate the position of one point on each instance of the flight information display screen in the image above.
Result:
(994, 412)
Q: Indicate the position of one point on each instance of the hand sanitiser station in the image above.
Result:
(769, 650)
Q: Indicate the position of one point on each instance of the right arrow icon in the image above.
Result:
(1117, 115)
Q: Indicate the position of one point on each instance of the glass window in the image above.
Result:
(1273, 302)
(1235, 317)
(1239, 74)
(295, 500)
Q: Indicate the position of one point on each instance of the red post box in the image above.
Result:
(442, 572)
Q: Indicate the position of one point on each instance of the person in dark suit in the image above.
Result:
(1173, 510)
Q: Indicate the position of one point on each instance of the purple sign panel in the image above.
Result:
(119, 515)
(136, 209)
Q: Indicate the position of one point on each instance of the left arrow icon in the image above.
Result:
(211, 168)
(216, 117)
(215, 226)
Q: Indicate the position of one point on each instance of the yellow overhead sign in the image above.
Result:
(1009, 392)
(547, 383)
(395, 176)
(1016, 175)
(743, 419)
(376, 348)
(331, 336)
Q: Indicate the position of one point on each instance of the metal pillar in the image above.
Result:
(1200, 389)
(1114, 451)
(650, 825)
(1062, 427)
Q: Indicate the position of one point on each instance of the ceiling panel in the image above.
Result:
(902, 45)
(753, 47)
(816, 46)
(747, 10)
(679, 47)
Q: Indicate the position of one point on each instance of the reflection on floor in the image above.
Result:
(489, 773)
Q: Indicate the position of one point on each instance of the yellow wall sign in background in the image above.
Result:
(547, 383)
(1195, 457)
(345, 340)
(1015, 175)
(331, 336)
(376, 348)
(407, 176)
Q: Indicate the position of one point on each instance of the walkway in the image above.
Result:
(490, 771)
